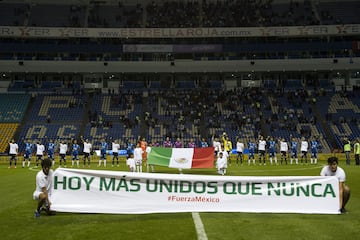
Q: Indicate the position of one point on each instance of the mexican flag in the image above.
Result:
(184, 158)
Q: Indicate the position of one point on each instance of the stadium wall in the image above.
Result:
(182, 66)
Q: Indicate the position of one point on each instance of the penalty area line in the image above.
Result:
(199, 226)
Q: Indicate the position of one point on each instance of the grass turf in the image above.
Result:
(17, 218)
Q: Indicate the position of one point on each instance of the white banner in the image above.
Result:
(285, 31)
(93, 191)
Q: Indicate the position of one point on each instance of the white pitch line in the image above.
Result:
(34, 169)
(199, 226)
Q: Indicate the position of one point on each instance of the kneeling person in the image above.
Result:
(332, 169)
(43, 187)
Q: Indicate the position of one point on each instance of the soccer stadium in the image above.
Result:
(81, 80)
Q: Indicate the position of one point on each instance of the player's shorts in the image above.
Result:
(36, 195)
(86, 155)
(261, 152)
(115, 154)
(283, 153)
(138, 161)
(272, 154)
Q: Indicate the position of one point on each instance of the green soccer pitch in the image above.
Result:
(17, 212)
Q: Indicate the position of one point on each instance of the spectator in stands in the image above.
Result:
(334, 170)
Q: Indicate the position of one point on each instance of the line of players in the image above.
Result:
(63, 148)
(288, 150)
(270, 145)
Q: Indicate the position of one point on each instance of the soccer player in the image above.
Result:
(13, 152)
(178, 143)
(51, 151)
(332, 169)
(103, 149)
(293, 147)
(40, 149)
(115, 150)
(63, 148)
(87, 151)
(239, 150)
(203, 143)
(347, 150)
(228, 147)
(357, 152)
(284, 148)
(75, 153)
(143, 145)
(304, 150)
(221, 163)
(130, 162)
(272, 151)
(216, 145)
(251, 147)
(191, 143)
(148, 150)
(314, 150)
(28, 153)
(129, 148)
(43, 187)
(138, 157)
(167, 143)
(262, 149)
